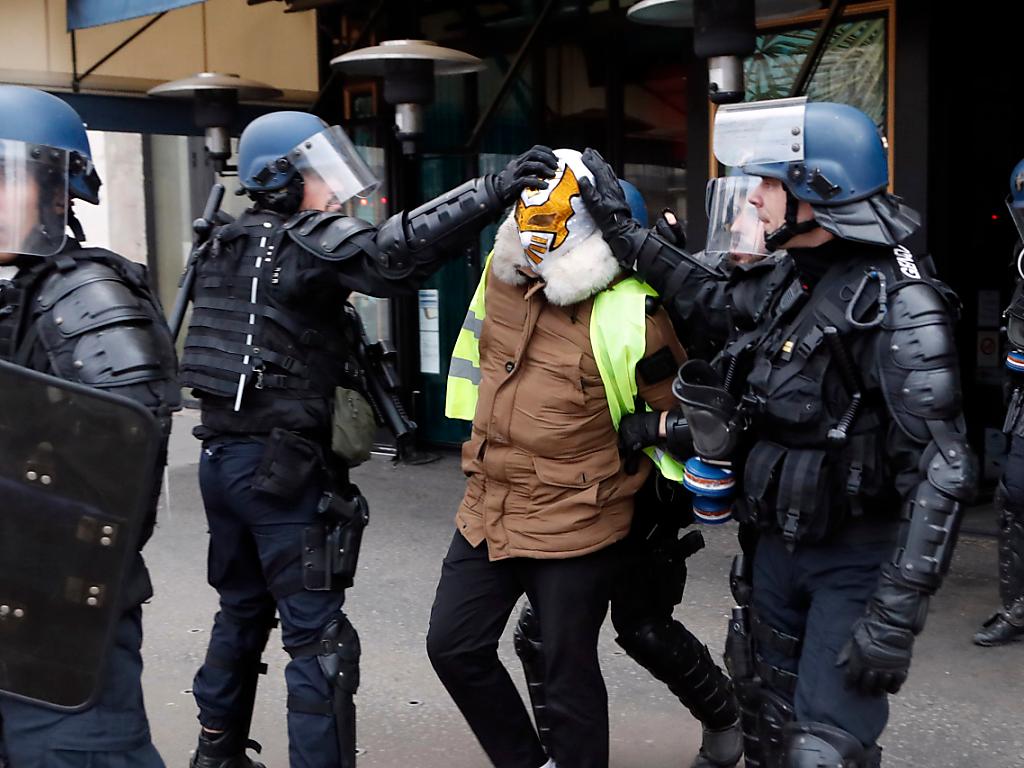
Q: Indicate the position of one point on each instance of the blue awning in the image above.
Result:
(93, 13)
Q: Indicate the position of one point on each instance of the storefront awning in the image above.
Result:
(93, 13)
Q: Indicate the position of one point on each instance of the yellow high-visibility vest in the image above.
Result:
(618, 334)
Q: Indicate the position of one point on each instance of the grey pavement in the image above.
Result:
(961, 707)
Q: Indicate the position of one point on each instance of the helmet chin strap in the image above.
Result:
(75, 224)
(285, 201)
(790, 227)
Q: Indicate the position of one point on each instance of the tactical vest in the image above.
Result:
(267, 331)
(807, 354)
(618, 335)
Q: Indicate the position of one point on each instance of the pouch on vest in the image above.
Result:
(289, 461)
(353, 427)
(756, 503)
(805, 509)
(709, 409)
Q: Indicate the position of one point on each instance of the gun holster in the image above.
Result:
(330, 550)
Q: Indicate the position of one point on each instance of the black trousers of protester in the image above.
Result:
(475, 598)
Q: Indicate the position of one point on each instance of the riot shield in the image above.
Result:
(77, 479)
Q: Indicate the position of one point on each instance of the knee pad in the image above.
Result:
(774, 714)
(526, 636)
(340, 652)
(811, 745)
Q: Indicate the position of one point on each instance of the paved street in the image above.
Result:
(962, 706)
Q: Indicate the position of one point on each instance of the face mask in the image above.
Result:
(553, 221)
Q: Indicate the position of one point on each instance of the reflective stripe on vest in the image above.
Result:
(464, 370)
(618, 335)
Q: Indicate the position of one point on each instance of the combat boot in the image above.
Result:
(1004, 627)
(223, 750)
(720, 748)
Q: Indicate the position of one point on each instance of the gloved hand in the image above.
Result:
(636, 432)
(670, 228)
(877, 657)
(606, 202)
(528, 171)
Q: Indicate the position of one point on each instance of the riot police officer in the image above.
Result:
(88, 317)
(648, 583)
(269, 355)
(837, 398)
(1007, 624)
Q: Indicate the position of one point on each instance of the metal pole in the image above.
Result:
(818, 47)
(105, 59)
(513, 70)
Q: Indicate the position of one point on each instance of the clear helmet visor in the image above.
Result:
(33, 198)
(760, 132)
(734, 230)
(332, 170)
(1017, 215)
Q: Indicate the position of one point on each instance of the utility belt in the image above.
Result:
(809, 494)
(330, 547)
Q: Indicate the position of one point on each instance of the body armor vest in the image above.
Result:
(88, 316)
(807, 371)
(266, 344)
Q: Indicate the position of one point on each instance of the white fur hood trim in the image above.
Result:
(569, 278)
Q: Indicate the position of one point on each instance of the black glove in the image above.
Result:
(670, 228)
(528, 171)
(636, 432)
(877, 657)
(606, 202)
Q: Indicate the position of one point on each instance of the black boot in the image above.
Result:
(1004, 627)
(223, 750)
(720, 748)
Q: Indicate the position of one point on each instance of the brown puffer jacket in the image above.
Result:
(545, 476)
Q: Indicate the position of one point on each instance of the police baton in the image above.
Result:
(202, 228)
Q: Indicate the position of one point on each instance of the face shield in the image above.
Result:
(734, 230)
(33, 198)
(760, 132)
(554, 221)
(332, 170)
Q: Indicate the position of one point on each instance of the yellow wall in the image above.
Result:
(260, 42)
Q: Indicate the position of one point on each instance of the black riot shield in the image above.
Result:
(77, 478)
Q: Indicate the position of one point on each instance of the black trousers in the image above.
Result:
(475, 598)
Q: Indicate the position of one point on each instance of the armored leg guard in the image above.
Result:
(814, 745)
(530, 649)
(337, 652)
(739, 660)
(667, 650)
(1008, 624)
(774, 715)
(227, 748)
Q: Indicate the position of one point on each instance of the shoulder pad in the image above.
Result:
(919, 363)
(917, 303)
(120, 355)
(326, 235)
(89, 297)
